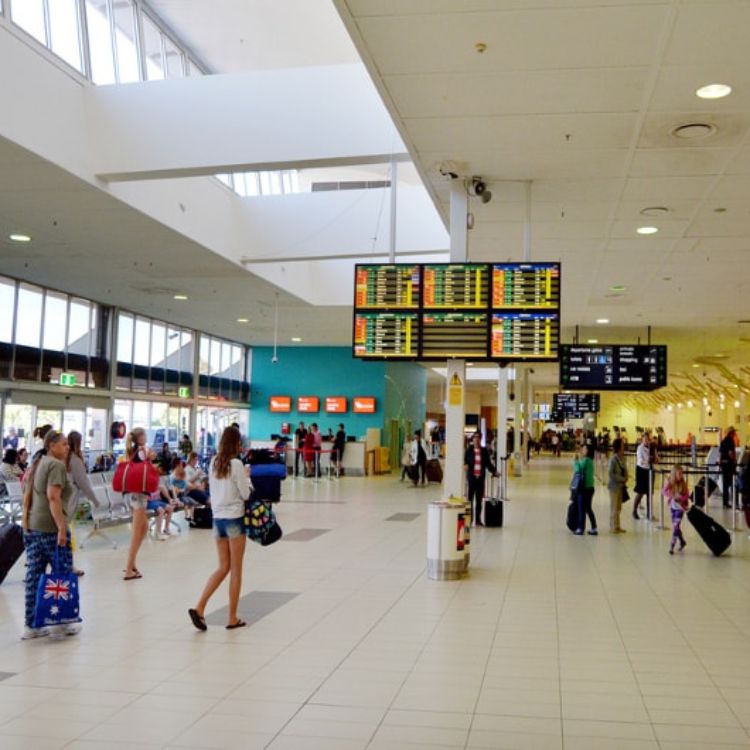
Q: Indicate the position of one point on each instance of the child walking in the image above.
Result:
(676, 492)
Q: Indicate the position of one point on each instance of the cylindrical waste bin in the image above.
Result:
(447, 532)
(517, 464)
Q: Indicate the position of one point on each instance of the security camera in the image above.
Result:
(274, 359)
(478, 188)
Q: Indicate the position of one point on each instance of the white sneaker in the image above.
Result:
(31, 633)
(60, 631)
(162, 537)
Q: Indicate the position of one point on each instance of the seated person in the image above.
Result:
(178, 489)
(9, 469)
(163, 502)
(197, 481)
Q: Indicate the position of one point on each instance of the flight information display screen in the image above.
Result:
(576, 404)
(387, 286)
(379, 335)
(521, 335)
(528, 286)
(613, 367)
(504, 312)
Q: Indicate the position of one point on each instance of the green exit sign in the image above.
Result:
(67, 378)
(183, 391)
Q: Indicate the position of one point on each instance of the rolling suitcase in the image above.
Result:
(11, 547)
(203, 517)
(571, 519)
(433, 470)
(492, 508)
(715, 536)
(699, 491)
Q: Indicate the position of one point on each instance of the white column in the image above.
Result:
(502, 411)
(453, 482)
(456, 369)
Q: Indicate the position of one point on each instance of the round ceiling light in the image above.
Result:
(602, 321)
(692, 131)
(618, 288)
(647, 230)
(296, 339)
(654, 211)
(180, 297)
(242, 320)
(17, 237)
(592, 341)
(713, 91)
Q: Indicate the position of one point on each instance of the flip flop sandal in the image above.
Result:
(133, 577)
(79, 572)
(238, 624)
(197, 620)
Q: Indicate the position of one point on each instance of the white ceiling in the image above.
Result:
(580, 97)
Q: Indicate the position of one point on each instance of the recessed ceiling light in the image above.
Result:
(695, 365)
(296, 339)
(692, 131)
(242, 320)
(618, 288)
(714, 91)
(654, 211)
(180, 296)
(647, 230)
(602, 321)
(15, 237)
(592, 341)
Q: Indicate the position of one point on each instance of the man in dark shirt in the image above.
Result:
(299, 441)
(477, 461)
(728, 463)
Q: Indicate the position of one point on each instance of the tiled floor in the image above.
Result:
(552, 642)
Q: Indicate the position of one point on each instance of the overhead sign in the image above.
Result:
(335, 404)
(308, 404)
(67, 378)
(611, 367)
(575, 405)
(183, 391)
(363, 405)
(280, 403)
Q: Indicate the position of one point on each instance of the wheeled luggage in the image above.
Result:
(203, 517)
(571, 520)
(11, 547)
(493, 511)
(433, 470)
(715, 536)
(699, 491)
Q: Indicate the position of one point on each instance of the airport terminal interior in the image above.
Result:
(261, 213)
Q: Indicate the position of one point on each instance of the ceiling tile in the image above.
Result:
(410, 7)
(667, 228)
(731, 128)
(679, 162)
(664, 191)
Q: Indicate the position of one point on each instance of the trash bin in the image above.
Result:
(516, 464)
(447, 534)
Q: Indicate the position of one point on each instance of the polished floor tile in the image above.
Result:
(552, 642)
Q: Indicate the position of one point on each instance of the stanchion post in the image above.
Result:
(649, 493)
(661, 504)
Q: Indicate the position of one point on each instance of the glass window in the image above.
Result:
(204, 355)
(236, 363)
(79, 330)
(152, 45)
(173, 56)
(29, 15)
(55, 315)
(226, 358)
(125, 338)
(215, 357)
(7, 301)
(265, 183)
(65, 32)
(226, 179)
(128, 69)
(186, 351)
(142, 341)
(173, 349)
(100, 42)
(28, 328)
(158, 340)
(193, 69)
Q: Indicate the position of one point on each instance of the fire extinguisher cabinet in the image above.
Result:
(448, 527)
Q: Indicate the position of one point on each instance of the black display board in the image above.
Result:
(500, 312)
(575, 405)
(613, 367)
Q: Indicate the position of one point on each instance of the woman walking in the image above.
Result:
(45, 524)
(136, 452)
(230, 487)
(78, 477)
(618, 477)
(677, 494)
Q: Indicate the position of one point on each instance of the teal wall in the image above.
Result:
(313, 371)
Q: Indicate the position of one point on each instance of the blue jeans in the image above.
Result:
(40, 552)
(584, 498)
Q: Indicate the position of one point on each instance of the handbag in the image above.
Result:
(140, 478)
(57, 599)
(260, 522)
(625, 495)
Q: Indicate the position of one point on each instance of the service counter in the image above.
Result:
(353, 462)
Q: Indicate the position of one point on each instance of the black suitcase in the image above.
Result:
(571, 519)
(699, 491)
(433, 471)
(11, 547)
(493, 512)
(203, 517)
(715, 536)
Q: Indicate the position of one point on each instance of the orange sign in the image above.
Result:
(280, 403)
(308, 404)
(363, 405)
(335, 404)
